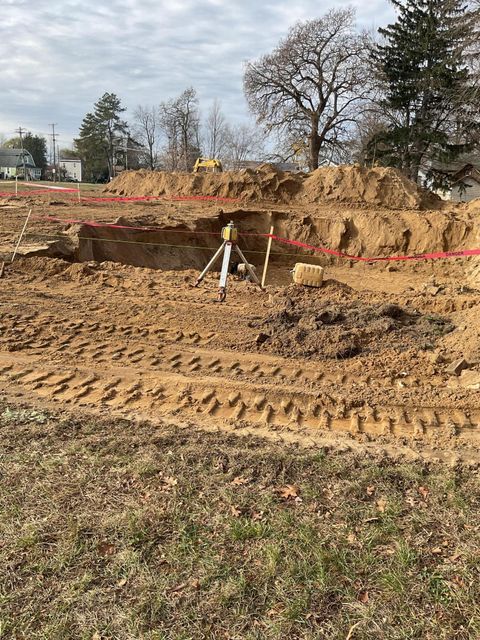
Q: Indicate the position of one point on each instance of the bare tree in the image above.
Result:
(315, 81)
(216, 131)
(180, 120)
(147, 132)
(242, 142)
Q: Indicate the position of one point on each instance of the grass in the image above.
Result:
(121, 530)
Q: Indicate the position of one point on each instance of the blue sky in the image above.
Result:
(60, 57)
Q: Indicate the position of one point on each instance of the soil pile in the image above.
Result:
(264, 183)
(333, 322)
(384, 187)
(380, 186)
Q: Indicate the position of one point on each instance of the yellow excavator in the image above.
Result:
(207, 164)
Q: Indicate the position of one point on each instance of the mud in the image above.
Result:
(334, 322)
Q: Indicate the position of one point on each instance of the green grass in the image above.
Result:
(120, 530)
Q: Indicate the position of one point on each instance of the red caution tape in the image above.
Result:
(103, 225)
(416, 256)
(33, 192)
(296, 243)
(74, 192)
(143, 198)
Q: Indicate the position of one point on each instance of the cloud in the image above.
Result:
(59, 57)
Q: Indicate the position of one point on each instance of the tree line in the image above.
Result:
(406, 97)
(169, 136)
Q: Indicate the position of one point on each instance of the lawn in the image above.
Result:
(111, 529)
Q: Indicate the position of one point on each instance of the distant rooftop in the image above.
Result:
(14, 157)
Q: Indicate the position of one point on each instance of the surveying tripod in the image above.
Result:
(230, 238)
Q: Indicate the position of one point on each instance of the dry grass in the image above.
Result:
(124, 530)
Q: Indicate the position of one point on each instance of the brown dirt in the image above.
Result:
(377, 186)
(335, 322)
(137, 339)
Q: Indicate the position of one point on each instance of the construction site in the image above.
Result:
(384, 352)
(100, 317)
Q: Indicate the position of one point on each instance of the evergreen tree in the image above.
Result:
(100, 134)
(429, 90)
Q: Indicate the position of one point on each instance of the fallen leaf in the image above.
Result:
(328, 493)
(236, 513)
(352, 538)
(169, 483)
(106, 549)
(370, 491)
(424, 492)
(289, 491)
(437, 551)
(257, 515)
(96, 636)
(381, 505)
(458, 581)
(363, 597)
(239, 480)
(122, 582)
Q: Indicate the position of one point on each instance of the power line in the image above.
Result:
(20, 132)
(54, 143)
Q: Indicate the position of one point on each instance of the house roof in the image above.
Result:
(464, 160)
(468, 171)
(14, 158)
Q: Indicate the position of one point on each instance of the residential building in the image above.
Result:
(464, 177)
(467, 184)
(16, 162)
(70, 169)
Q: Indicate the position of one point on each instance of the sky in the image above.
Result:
(60, 57)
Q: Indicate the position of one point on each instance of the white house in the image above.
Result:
(467, 184)
(464, 177)
(14, 161)
(71, 168)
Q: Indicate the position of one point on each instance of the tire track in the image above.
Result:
(270, 406)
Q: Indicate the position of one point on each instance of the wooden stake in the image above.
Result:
(267, 257)
(16, 185)
(21, 236)
(78, 193)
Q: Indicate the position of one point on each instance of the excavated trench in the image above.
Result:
(356, 232)
(181, 246)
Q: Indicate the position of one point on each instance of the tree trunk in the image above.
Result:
(414, 171)
(315, 144)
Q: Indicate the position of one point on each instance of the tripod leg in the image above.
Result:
(252, 273)
(222, 291)
(210, 264)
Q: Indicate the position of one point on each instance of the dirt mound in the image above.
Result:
(42, 266)
(384, 187)
(473, 206)
(265, 183)
(334, 322)
(379, 186)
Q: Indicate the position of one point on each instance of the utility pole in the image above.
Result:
(58, 162)
(54, 140)
(20, 132)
